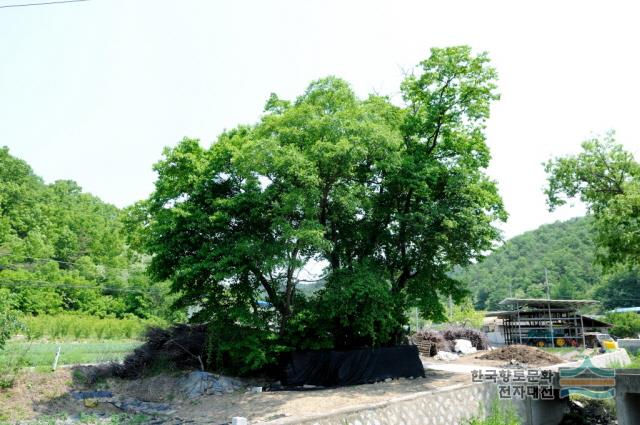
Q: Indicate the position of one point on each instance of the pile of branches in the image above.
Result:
(478, 338)
(178, 347)
(444, 340)
(437, 340)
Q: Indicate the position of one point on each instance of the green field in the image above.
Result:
(42, 354)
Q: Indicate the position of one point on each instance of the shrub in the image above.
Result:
(624, 324)
(358, 309)
(180, 346)
(10, 364)
(9, 317)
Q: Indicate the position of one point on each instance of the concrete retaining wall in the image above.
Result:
(618, 357)
(446, 406)
(449, 405)
(629, 344)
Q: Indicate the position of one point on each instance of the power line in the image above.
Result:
(71, 263)
(76, 286)
(41, 4)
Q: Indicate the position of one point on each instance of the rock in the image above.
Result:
(387, 380)
(83, 395)
(90, 402)
(146, 407)
(198, 383)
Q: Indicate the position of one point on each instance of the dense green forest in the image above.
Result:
(566, 249)
(64, 250)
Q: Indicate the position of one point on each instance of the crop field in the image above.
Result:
(41, 354)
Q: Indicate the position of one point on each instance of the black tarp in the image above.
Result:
(352, 367)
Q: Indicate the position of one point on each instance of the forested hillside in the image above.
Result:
(64, 250)
(565, 249)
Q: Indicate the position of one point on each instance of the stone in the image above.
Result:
(238, 420)
(83, 395)
(90, 402)
(146, 407)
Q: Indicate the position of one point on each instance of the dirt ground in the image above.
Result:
(39, 395)
(522, 354)
(498, 358)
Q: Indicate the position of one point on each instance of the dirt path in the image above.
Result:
(277, 404)
(46, 394)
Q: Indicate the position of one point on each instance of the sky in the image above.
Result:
(92, 91)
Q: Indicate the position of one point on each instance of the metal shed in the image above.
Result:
(543, 322)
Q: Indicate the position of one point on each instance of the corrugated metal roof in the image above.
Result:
(626, 310)
(541, 302)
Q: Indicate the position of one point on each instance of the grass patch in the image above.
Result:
(635, 363)
(562, 350)
(42, 354)
(501, 412)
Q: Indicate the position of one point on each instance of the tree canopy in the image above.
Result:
(62, 249)
(386, 198)
(607, 179)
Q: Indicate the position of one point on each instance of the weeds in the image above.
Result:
(10, 365)
(499, 414)
(68, 326)
(41, 354)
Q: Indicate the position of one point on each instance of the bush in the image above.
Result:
(178, 347)
(478, 339)
(625, 325)
(358, 309)
(10, 365)
(9, 317)
(201, 346)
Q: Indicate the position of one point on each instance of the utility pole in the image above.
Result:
(546, 281)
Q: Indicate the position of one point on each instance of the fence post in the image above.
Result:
(55, 361)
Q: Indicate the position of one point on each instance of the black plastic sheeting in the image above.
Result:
(337, 368)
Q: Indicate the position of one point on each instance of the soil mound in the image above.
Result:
(522, 354)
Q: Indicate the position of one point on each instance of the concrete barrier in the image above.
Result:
(629, 344)
(451, 405)
(628, 396)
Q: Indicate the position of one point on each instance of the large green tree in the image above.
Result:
(607, 179)
(385, 198)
